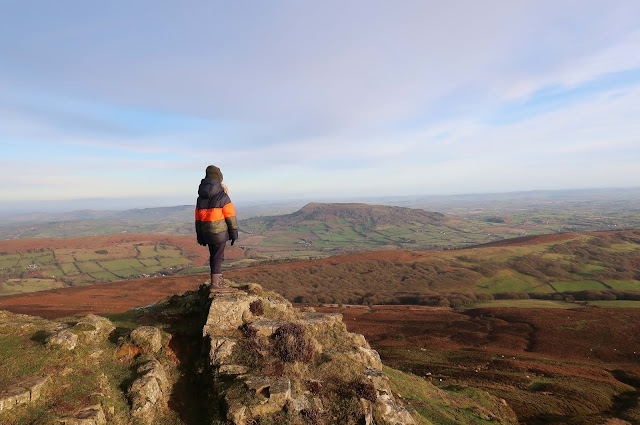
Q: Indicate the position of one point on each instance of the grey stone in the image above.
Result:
(275, 393)
(93, 328)
(92, 415)
(387, 411)
(14, 396)
(147, 336)
(148, 392)
(266, 327)
(233, 369)
(359, 340)
(237, 413)
(226, 312)
(221, 349)
(64, 339)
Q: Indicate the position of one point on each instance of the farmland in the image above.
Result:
(41, 264)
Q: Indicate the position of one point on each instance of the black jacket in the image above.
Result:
(216, 220)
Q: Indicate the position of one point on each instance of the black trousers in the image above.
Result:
(217, 256)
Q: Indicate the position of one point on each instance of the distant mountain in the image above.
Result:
(362, 216)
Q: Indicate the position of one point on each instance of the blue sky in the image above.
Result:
(332, 99)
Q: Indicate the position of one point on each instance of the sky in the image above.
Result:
(301, 99)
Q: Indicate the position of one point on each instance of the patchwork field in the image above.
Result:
(28, 265)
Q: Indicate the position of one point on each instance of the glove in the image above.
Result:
(201, 241)
(232, 241)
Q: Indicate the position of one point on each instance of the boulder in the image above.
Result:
(226, 312)
(266, 327)
(93, 328)
(221, 349)
(233, 369)
(23, 392)
(359, 340)
(14, 396)
(366, 356)
(148, 392)
(63, 339)
(237, 413)
(273, 393)
(92, 415)
(147, 336)
(386, 410)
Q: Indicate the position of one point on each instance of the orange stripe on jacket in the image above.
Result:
(228, 210)
(210, 214)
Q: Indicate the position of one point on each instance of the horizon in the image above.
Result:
(316, 101)
(121, 204)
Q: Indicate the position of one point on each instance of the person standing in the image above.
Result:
(216, 221)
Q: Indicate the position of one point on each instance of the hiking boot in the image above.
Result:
(217, 282)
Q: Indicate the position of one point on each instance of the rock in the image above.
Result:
(226, 311)
(359, 340)
(93, 328)
(35, 385)
(14, 396)
(300, 403)
(92, 415)
(64, 339)
(23, 392)
(221, 349)
(147, 336)
(279, 304)
(252, 288)
(367, 357)
(233, 369)
(275, 394)
(266, 327)
(237, 413)
(387, 411)
(319, 319)
(147, 393)
(155, 369)
(378, 379)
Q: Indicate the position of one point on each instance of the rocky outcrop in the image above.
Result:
(92, 415)
(22, 392)
(64, 339)
(89, 329)
(251, 350)
(148, 337)
(149, 392)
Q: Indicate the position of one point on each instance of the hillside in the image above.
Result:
(240, 357)
(603, 266)
(348, 227)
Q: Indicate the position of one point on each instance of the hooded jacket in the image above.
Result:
(216, 220)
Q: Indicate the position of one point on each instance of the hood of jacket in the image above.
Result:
(209, 188)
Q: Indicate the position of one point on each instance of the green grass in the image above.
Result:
(577, 286)
(69, 269)
(511, 281)
(172, 262)
(104, 275)
(168, 251)
(446, 406)
(616, 304)
(633, 285)
(149, 262)
(147, 251)
(524, 304)
(19, 286)
(589, 269)
(121, 265)
(89, 267)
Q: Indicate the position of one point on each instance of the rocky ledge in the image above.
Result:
(273, 363)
